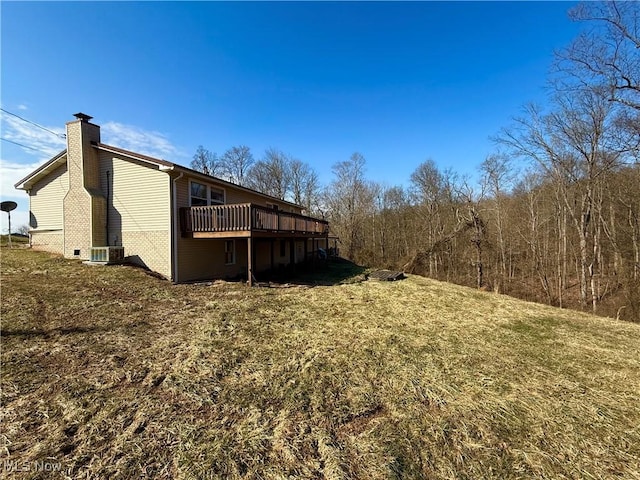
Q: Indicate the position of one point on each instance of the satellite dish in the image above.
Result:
(7, 207)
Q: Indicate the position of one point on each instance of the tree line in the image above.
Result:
(555, 216)
(276, 173)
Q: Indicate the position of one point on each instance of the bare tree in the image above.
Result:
(426, 182)
(573, 145)
(305, 185)
(606, 54)
(427, 191)
(471, 217)
(396, 212)
(346, 199)
(237, 161)
(498, 177)
(271, 175)
(207, 162)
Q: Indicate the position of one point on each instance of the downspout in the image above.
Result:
(176, 227)
(30, 226)
(107, 212)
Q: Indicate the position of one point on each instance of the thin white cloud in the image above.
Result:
(22, 107)
(129, 137)
(34, 140)
(38, 146)
(28, 147)
(11, 173)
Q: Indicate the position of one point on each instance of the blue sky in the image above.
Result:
(397, 82)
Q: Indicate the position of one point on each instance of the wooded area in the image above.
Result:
(555, 217)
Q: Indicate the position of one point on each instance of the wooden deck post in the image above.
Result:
(250, 261)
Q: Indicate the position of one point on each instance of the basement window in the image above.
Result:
(229, 252)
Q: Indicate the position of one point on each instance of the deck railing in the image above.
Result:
(247, 217)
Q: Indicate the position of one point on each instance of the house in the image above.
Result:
(93, 201)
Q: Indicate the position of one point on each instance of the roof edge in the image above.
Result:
(20, 185)
(129, 153)
(234, 185)
(175, 166)
(163, 164)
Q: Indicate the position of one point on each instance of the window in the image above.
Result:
(198, 194)
(216, 196)
(202, 194)
(229, 252)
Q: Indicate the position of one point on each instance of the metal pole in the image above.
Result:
(9, 213)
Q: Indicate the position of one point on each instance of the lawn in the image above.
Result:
(108, 372)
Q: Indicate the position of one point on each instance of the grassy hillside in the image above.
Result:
(111, 373)
(16, 240)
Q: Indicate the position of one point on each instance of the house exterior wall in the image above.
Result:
(105, 196)
(138, 210)
(232, 194)
(46, 211)
(45, 199)
(48, 241)
(204, 258)
(262, 254)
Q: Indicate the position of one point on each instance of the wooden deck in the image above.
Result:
(247, 220)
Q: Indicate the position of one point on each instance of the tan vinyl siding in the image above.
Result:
(232, 194)
(46, 200)
(263, 255)
(139, 196)
(204, 259)
(139, 210)
(239, 196)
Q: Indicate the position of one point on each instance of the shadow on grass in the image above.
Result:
(37, 332)
(331, 272)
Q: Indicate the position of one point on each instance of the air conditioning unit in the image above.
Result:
(107, 254)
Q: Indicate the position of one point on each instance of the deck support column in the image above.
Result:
(250, 261)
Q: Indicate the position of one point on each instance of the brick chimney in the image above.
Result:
(84, 205)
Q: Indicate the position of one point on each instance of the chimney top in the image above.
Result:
(82, 116)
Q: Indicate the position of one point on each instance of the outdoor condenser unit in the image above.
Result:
(107, 254)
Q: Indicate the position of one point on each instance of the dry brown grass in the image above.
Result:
(111, 373)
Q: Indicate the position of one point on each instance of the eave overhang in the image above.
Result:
(42, 171)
